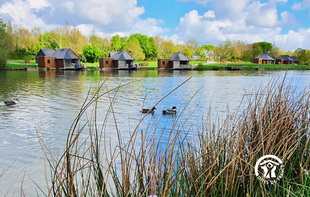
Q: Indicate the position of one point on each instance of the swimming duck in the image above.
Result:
(10, 102)
(170, 111)
(151, 111)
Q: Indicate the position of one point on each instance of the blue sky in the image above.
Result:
(282, 22)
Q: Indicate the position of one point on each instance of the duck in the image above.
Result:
(10, 102)
(170, 111)
(151, 111)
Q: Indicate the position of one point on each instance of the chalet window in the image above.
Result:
(164, 63)
(106, 62)
(183, 62)
(48, 61)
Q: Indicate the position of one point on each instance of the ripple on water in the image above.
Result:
(50, 101)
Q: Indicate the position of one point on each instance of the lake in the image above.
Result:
(49, 101)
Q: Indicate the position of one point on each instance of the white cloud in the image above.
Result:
(37, 4)
(69, 5)
(108, 16)
(305, 4)
(213, 30)
(192, 25)
(23, 12)
(209, 14)
(250, 21)
(262, 15)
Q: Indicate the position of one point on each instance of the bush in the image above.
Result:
(27, 59)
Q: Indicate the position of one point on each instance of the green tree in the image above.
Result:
(256, 48)
(241, 51)
(6, 43)
(275, 52)
(76, 40)
(167, 49)
(209, 50)
(261, 47)
(147, 44)
(193, 47)
(134, 49)
(223, 51)
(303, 56)
(117, 43)
(91, 53)
(48, 41)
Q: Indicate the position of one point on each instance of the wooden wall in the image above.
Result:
(46, 62)
(106, 63)
(164, 63)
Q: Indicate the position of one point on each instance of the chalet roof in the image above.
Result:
(65, 54)
(285, 57)
(48, 52)
(295, 59)
(178, 57)
(59, 54)
(264, 57)
(121, 55)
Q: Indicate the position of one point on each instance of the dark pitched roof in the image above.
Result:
(178, 57)
(48, 52)
(285, 57)
(121, 55)
(295, 59)
(264, 57)
(65, 54)
(59, 54)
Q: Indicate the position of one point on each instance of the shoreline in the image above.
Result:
(199, 67)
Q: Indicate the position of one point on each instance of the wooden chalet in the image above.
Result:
(263, 59)
(118, 60)
(284, 59)
(176, 61)
(60, 59)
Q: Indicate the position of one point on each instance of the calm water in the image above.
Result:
(50, 100)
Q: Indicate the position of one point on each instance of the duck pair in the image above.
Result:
(165, 111)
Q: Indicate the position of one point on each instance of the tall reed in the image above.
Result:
(219, 162)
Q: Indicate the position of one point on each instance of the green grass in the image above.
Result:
(91, 65)
(250, 66)
(20, 64)
(152, 65)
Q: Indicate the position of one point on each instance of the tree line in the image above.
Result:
(17, 42)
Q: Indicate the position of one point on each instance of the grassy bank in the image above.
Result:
(148, 65)
(202, 65)
(20, 64)
(219, 162)
(199, 65)
(250, 66)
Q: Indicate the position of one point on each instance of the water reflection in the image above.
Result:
(50, 100)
